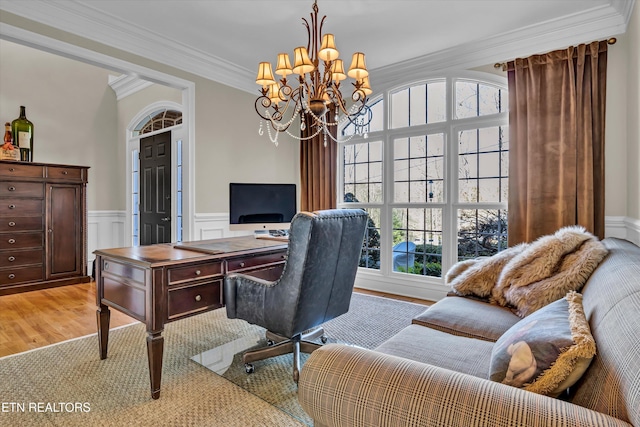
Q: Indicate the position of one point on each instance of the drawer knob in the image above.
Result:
(12, 224)
(12, 206)
(12, 188)
(106, 266)
(12, 276)
(12, 241)
(12, 258)
(242, 264)
(198, 297)
(11, 169)
(197, 272)
(65, 173)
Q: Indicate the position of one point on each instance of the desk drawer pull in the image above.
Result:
(106, 265)
(12, 188)
(242, 264)
(11, 241)
(198, 272)
(12, 224)
(198, 298)
(12, 206)
(12, 276)
(65, 173)
(12, 258)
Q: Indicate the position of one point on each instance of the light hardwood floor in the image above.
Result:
(36, 319)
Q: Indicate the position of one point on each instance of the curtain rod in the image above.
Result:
(503, 65)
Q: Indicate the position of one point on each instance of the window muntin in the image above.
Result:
(362, 172)
(370, 257)
(419, 104)
(475, 99)
(481, 232)
(446, 198)
(372, 119)
(418, 168)
(483, 164)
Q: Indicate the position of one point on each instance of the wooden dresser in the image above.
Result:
(43, 223)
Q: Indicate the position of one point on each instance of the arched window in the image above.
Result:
(432, 171)
(158, 120)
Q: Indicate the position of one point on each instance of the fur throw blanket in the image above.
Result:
(530, 276)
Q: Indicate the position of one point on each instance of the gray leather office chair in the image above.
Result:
(315, 286)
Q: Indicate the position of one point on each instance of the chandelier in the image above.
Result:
(317, 99)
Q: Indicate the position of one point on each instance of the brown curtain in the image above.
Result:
(556, 131)
(318, 168)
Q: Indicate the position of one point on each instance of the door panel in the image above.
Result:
(155, 189)
(64, 230)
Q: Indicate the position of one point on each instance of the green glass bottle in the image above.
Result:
(22, 130)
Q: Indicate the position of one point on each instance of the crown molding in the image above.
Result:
(595, 24)
(127, 84)
(84, 20)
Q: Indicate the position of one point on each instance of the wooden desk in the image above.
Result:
(158, 284)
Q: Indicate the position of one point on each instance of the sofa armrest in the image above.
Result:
(343, 386)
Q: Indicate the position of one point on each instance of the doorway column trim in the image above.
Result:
(57, 47)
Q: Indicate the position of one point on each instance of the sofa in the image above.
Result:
(435, 371)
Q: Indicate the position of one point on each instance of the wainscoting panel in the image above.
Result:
(105, 230)
(214, 226)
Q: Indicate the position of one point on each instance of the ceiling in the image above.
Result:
(225, 39)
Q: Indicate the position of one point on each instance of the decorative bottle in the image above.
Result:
(23, 135)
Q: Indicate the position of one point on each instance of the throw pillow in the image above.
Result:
(546, 352)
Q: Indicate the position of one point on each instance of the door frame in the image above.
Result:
(133, 146)
(188, 105)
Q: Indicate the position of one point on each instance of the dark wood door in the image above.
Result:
(155, 189)
(64, 230)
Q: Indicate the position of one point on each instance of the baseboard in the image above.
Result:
(623, 228)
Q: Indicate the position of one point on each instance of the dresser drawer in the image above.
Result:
(11, 206)
(198, 271)
(15, 170)
(21, 240)
(21, 189)
(194, 299)
(239, 264)
(61, 172)
(20, 258)
(9, 276)
(21, 223)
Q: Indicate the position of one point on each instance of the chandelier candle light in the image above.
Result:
(319, 73)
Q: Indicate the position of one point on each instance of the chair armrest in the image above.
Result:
(350, 386)
(250, 286)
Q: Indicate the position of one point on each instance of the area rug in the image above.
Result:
(68, 385)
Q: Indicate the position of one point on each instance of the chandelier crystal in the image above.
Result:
(317, 99)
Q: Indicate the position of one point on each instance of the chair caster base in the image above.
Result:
(249, 368)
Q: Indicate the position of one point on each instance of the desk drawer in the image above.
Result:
(16, 206)
(21, 223)
(9, 276)
(22, 189)
(195, 298)
(20, 240)
(239, 264)
(192, 272)
(20, 258)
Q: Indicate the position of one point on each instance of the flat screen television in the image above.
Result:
(257, 206)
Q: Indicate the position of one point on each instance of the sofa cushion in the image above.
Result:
(611, 300)
(468, 317)
(441, 349)
(546, 352)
